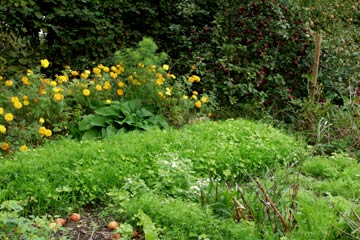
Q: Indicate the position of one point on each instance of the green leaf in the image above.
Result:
(107, 111)
(85, 123)
(98, 121)
(91, 134)
(38, 15)
(148, 226)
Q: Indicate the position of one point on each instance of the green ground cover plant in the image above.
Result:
(172, 188)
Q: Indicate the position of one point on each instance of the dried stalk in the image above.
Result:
(239, 210)
(272, 204)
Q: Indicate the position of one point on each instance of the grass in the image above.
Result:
(184, 182)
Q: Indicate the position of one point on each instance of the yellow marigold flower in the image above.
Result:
(161, 94)
(98, 87)
(41, 120)
(171, 75)
(1, 78)
(2, 129)
(86, 92)
(141, 65)
(44, 63)
(9, 117)
(120, 69)
(160, 81)
(97, 71)
(107, 85)
(185, 97)
(9, 83)
(100, 66)
(136, 82)
(57, 89)
(53, 83)
(108, 101)
(168, 91)
(48, 133)
(84, 75)
(42, 130)
(1, 110)
(23, 148)
(120, 92)
(194, 97)
(17, 105)
(67, 67)
(62, 79)
(26, 103)
(87, 72)
(165, 67)
(4, 146)
(74, 73)
(193, 67)
(130, 77)
(29, 72)
(25, 80)
(194, 78)
(197, 104)
(106, 69)
(14, 99)
(58, 97)
(195, 93)
(113, 68)
(121, 84)
(204, 99)
(113, 75)
(25, 97)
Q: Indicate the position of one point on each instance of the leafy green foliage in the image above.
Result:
(109, 120)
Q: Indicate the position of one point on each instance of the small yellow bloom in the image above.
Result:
(58, 97)
(9, 117)
(194, 97)
(141, 65)
(9, 83)
(120, 92)
(25, 97)
(23, 148)
(42, 130)
(86, 92)
(29, 72)
(98, 87)
(62, 79)
(87, 72)
(108, 101)
(1, 78)
(113, 68)
(185, 97)
(113, 75)
(161, 95)
(204, 99)
(171, 75)
(44, 63)
(4, 146)
(48, 133)
(197, 104)
(97, 71)
(165, 67)
(26, 103)
(84, 75)
(1, 110)
(106, 69)
(67, 67)
(53, 83)
(107, 85)
(2, 129)
(41, 120)
(17, 105)
(100, 66)
(25, 80)
(14, 99)
(121, 84)
(168, 91)
(193, 67)
(195, 93)
(74, 73)
(194, 78)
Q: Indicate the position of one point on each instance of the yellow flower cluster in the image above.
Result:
(25, 81)
(160, 80)
(45, 132)
(2, 129)
(194, 78)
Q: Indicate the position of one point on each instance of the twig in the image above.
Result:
(239, 209)
(271, 203)
(251, 213)
(293, 204)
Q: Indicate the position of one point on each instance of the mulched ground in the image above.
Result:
(90, 227)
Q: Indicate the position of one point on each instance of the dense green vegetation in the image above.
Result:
(135, 112)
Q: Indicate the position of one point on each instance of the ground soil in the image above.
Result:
(90, 227)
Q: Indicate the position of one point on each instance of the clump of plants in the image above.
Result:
(135, 90)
